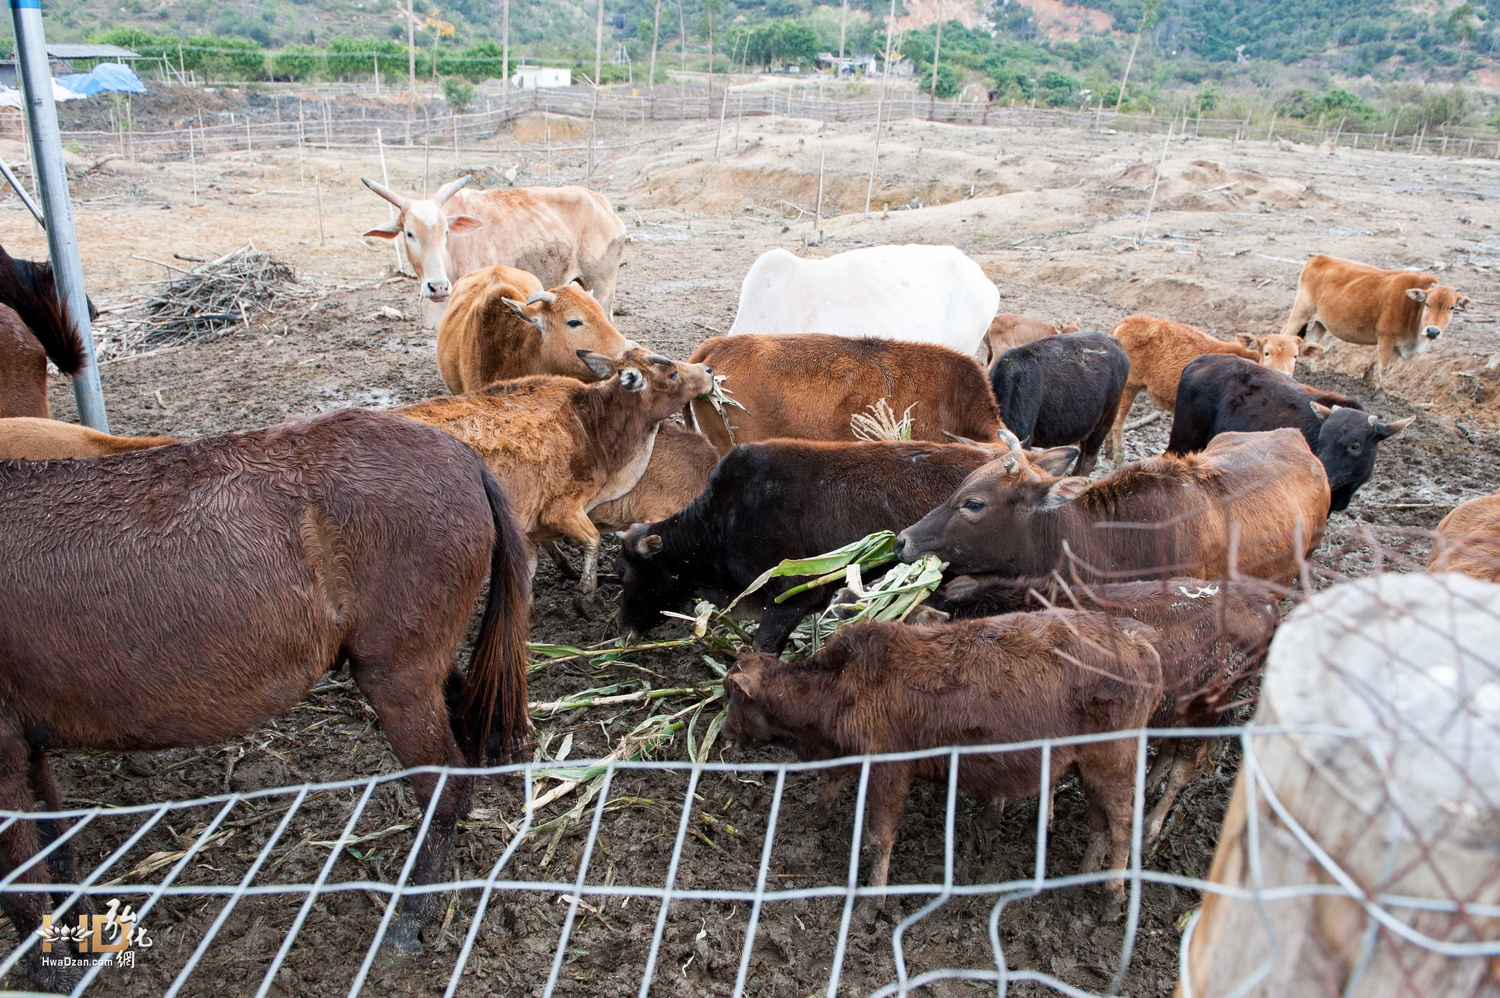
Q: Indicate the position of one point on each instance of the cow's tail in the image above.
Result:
(36, 302)
(496, 717)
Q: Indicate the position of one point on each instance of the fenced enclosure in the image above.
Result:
(1359, 847)
(321, 125)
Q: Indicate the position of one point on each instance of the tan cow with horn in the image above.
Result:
(560, 234)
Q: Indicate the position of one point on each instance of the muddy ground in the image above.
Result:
(1047, 219)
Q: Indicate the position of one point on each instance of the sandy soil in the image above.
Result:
(1054, 217)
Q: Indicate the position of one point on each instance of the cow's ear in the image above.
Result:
(1063, 490)
(1323, 412)
(1054, 461)
(1310, 350)
(459, 225)
(648, 546)
(519, 308)
(598, 364)
(632, 380)
(1384, 431)
(1416, 294)
(390, 230)
(1461, 304)
(745, 683)
(1248, 341)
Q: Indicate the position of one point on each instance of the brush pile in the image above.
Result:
(205, 302)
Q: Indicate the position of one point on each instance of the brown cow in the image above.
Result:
(500, 324)
(1400, 311)
(807, 386)
(179, 597)
(561, 447)
(889, 687)
(34, 327)
(1213, 640)
(560, 234)
(1249, 503)
(1468, 540)
(1008, 330)
(1159, 349)
(680, 464)
(26, 438)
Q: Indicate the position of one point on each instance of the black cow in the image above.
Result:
(787, 499)
(1061, 390)
(1219, 393)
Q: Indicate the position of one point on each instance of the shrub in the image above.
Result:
(227, 58)
(458, 94)
(350, 58)
(297, 62)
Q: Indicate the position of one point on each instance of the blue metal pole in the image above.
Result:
(52, 185)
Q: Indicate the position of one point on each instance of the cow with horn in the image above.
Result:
(559, 234)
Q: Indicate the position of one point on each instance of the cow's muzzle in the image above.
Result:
(437, 290)
(1432, 332)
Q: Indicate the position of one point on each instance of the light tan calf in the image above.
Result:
(561, 447)
(500, 324)
(678, 470)
(25, 438)
(1009, 330)
(1468, 540)
(1401, 312)
(1159, 349)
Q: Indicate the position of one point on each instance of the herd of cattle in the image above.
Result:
(157, 593)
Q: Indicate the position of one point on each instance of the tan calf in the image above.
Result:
(1009, 330)
(561, 447)
(1159, 349)
(1401, 312)
(680, 464)
(24, 438)
(1468, 540)
(500, 324)
(807, 386)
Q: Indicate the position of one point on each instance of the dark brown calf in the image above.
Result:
(1212, 640)
(681, 461)
(888, 687)
(182, 595)
(807, 386)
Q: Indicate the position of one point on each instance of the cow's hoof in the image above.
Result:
(1113, 909)
(402, 940)
(51, 980)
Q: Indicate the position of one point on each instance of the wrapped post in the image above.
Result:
(1360, 855)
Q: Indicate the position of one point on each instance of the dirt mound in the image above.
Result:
(1461, 386)
(542, 128)
(1204, 185)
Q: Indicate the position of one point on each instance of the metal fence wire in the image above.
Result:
(1359, 853)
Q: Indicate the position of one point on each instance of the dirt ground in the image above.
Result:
(1053, 216)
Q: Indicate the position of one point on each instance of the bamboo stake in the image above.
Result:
(885, 79)
(318, 185)
(385, 178)
(193, 161)
(1157, 182)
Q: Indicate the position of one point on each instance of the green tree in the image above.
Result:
(297, 62)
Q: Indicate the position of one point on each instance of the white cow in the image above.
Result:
(925, 294)
(558, 234)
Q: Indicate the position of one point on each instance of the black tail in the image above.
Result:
(31, 290)
(496, 716)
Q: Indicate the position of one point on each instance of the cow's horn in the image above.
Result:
(449, 189)
(1009, 439)
(1372, 420)
(1012, 466)
(656, 358)
(386, 192)
(542, 296)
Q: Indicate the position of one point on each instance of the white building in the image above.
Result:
(532, 77)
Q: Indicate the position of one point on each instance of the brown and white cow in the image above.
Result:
(806, 386)
(25, 438)
(560, 234)
(1401, 312)
(560, 446)
(1253, 504)
(1008, 330)
(1159, 349)
(1468, 540)
(501, 324)
(888, 687)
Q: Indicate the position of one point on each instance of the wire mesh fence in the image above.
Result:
(1357, 856)
(322, 127)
